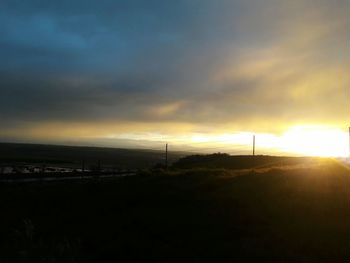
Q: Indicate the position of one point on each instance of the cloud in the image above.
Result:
(210, 66)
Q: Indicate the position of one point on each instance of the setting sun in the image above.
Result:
(316, 141)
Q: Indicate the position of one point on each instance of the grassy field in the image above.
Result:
(286, 214)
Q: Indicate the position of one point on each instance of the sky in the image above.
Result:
(202, 74)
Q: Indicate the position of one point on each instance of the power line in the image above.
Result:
(253, 145)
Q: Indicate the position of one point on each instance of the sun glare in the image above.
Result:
(316, 141)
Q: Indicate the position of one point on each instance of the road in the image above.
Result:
(49, 178)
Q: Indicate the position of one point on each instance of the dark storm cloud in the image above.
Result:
(107, 35)
(100, 59)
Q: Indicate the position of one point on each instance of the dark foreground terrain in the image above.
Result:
(276, 215)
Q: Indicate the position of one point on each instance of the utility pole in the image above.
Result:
(253, 145)
(349, 141)
(166, 155)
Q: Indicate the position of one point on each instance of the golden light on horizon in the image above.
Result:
(303, 140)
(295, 140)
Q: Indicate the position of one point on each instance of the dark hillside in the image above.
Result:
(73, 156)
(221, 160)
